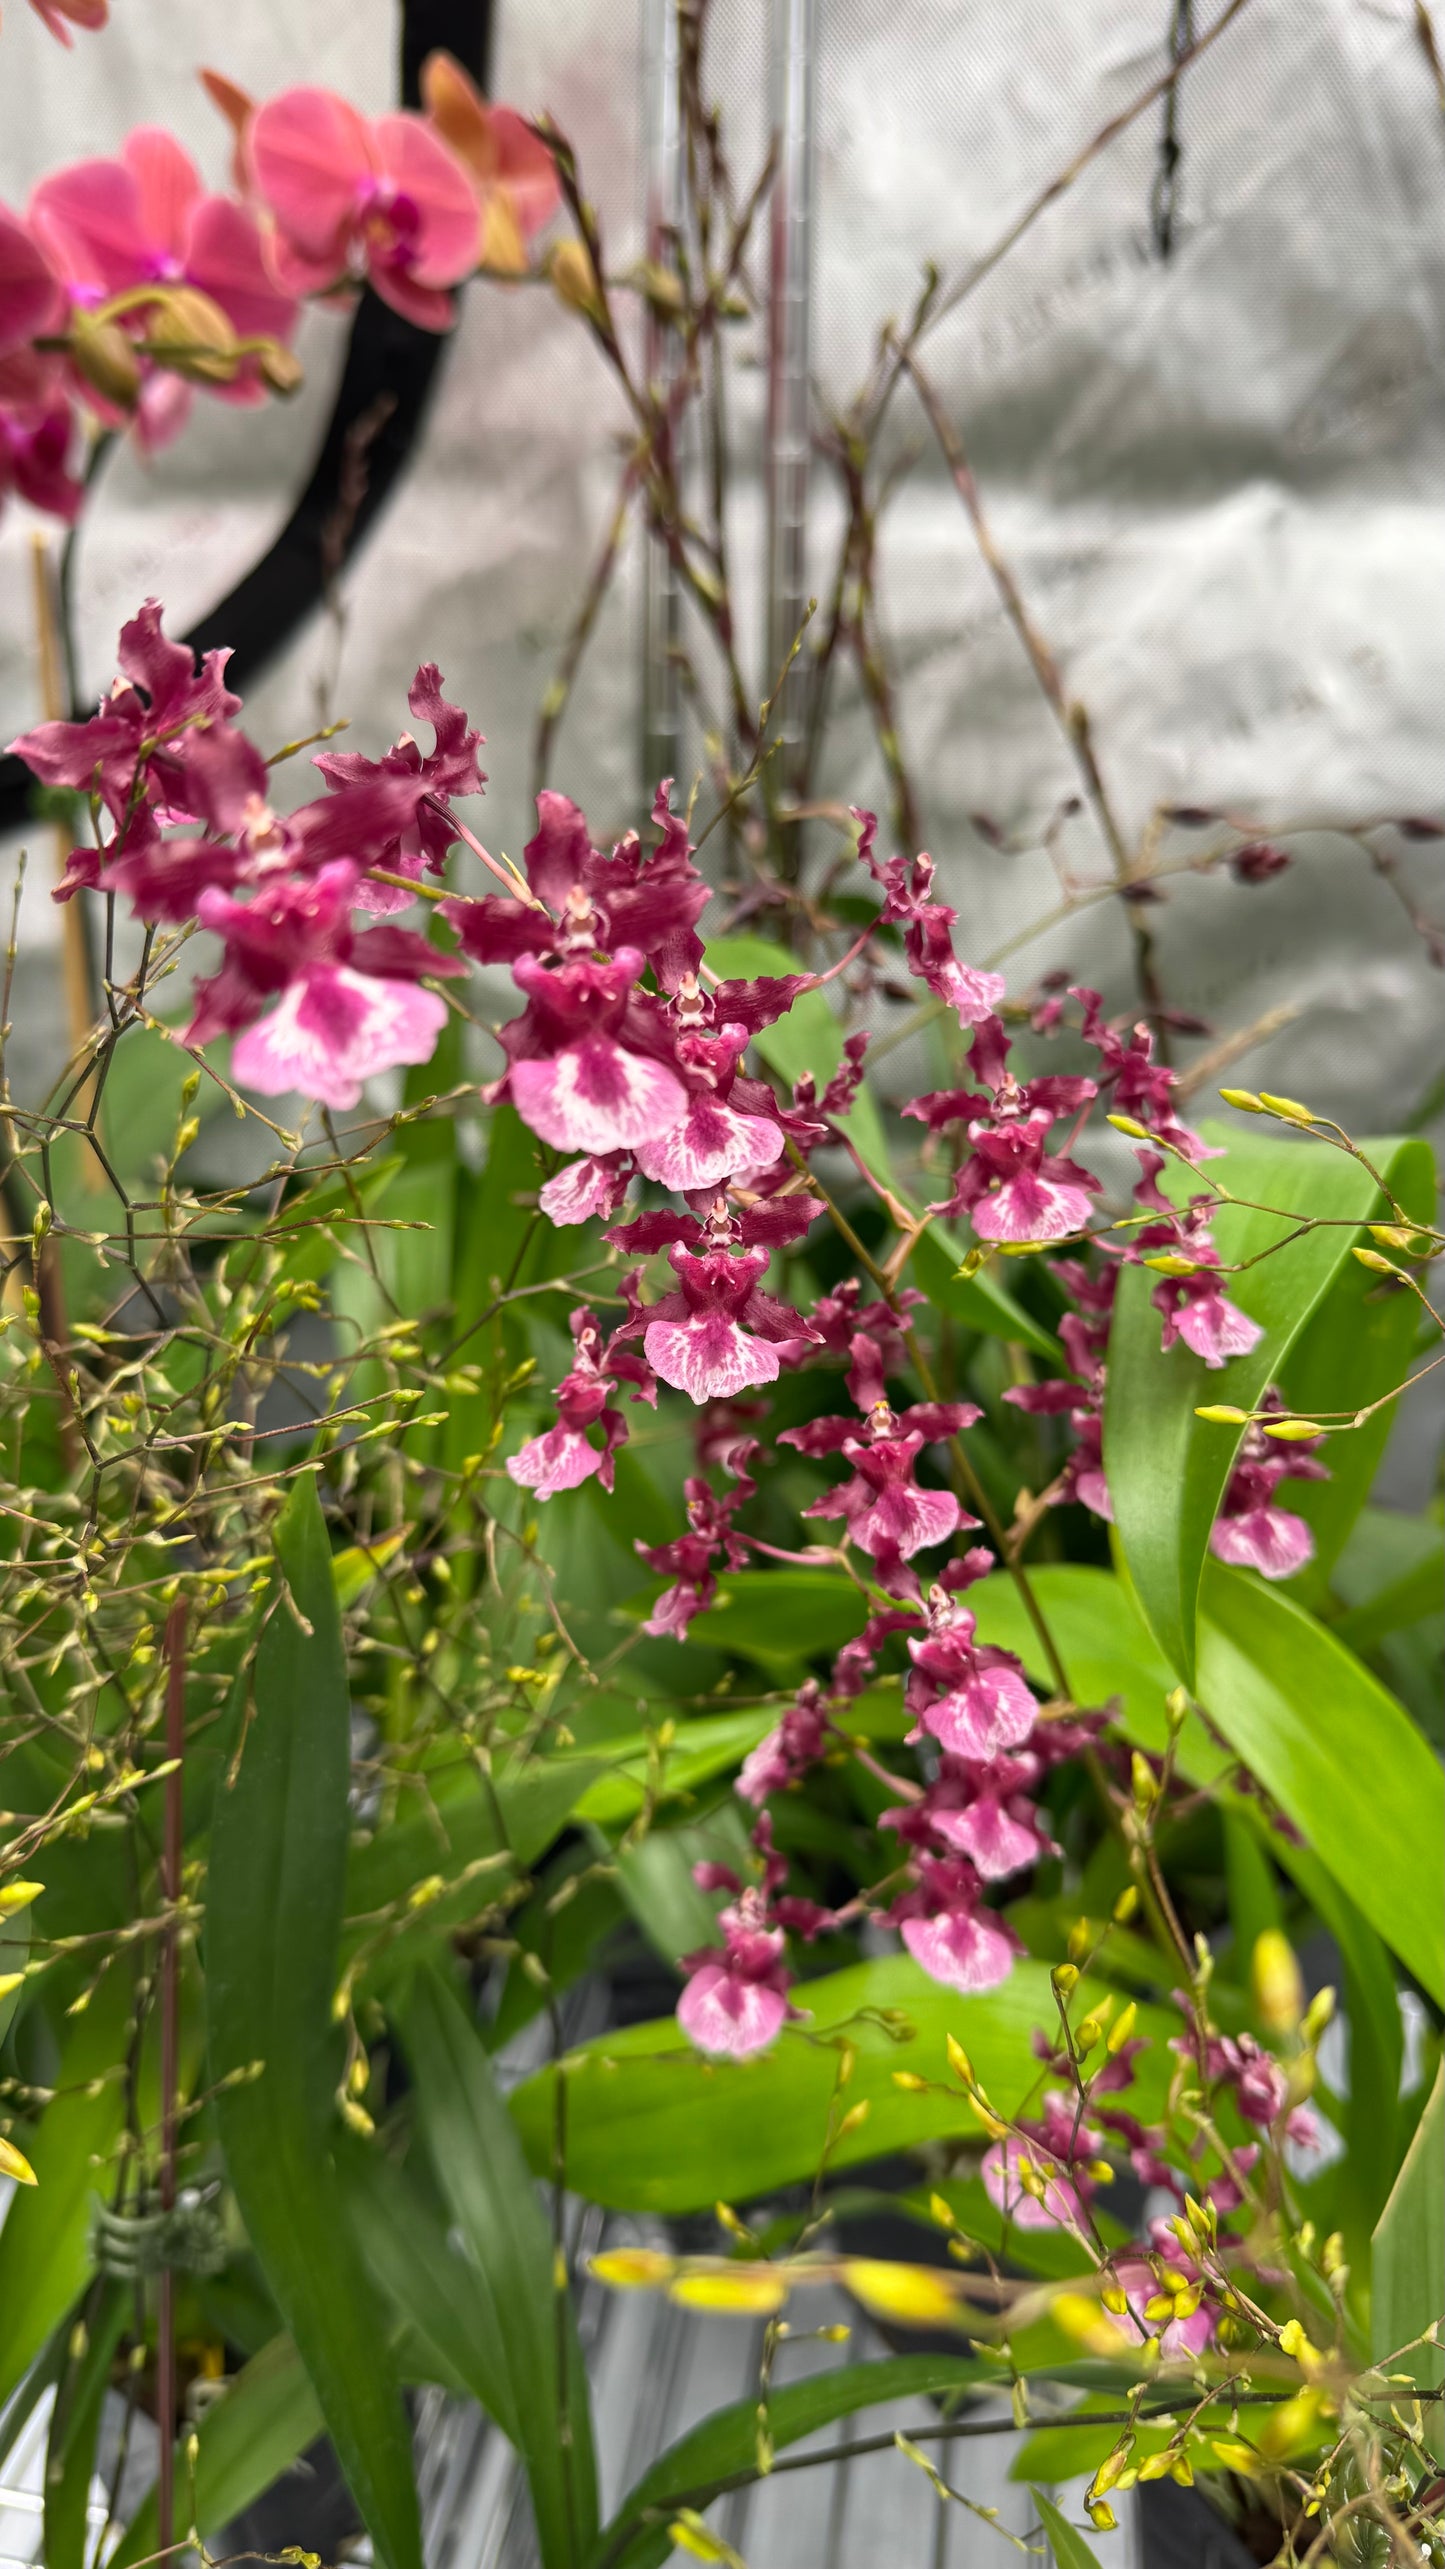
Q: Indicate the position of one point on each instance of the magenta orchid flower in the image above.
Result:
(972, 1698)
(948, 1932)
(1251, 1531)
(450, 767)
(348, 1004)
(928, 930)
(587, 1057)
(564, 1455)
(713, 1138)
(356, 198)
(719, 1333)
(736, 2000)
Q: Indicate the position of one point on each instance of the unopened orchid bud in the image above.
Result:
(192, 337)
(1143, 1783)
(1113, 2465)
(958, 2060)
(18, 1895)
(574, 278)
(1082, 1939)
(1124, 1909)
(101, 352)
(280, 369)
(1279, 1994)
(1220, 1413)
(1294, 1431)
(1289, 1107)
(1116, 2299)
(1065, 1978)
(1244, 1099)
(1122, 2028)
(1317, 2015)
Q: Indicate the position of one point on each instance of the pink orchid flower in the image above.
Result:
(30, 294)
(513, 174)
(348, 1004)
(563, 1457)
(973, 1699)
(948, 1932)
(736, 1999)
(584, 1069)
(35, 443)
(54, 14)
(719, 1334)
(354, 197)
(148, 219)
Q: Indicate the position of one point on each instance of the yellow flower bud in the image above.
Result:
(1279, 1995)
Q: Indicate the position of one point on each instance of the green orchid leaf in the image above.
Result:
(488, 2189)
(653, 2126)
(1067, 2544)
(1166, 1467)
(45, 2243)
(262, 2422)
(725, 2444)
(273, 1932)
(1294, 1706)
(1408, 2295)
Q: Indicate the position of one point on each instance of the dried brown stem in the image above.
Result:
(1071, 717)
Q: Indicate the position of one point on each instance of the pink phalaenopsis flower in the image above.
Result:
(59, 16)
(147, 219)
(30, 291)
(513, 174)
(35, 448)
(353, 197)
(349, 1003)
(736, 1999)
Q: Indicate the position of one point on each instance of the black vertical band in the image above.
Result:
(391, 370)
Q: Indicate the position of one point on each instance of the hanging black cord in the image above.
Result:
(1165, 195)
(391, 371)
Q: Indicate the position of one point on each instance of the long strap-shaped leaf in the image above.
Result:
(484, 2178)
(1167, 1468)
(273, 1925)
(714, 2453)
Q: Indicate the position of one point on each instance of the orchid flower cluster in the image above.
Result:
(128, 283)
(630, 1056)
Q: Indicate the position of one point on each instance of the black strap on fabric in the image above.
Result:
(391, 371)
